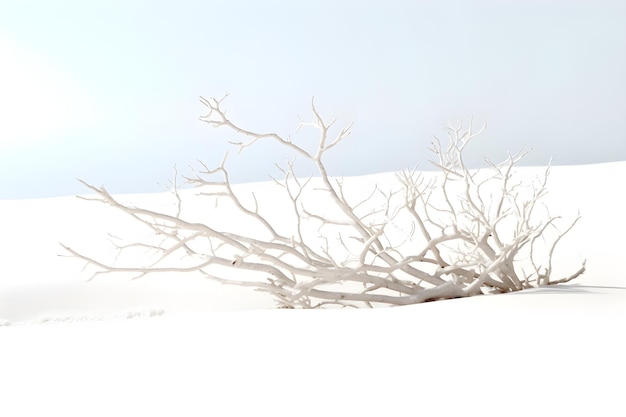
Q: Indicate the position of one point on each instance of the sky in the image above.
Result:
(107, 91)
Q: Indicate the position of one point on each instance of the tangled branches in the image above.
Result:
(456, 233)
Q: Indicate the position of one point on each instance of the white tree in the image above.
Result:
(456, 233)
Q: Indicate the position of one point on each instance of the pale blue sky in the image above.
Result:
(107, 91)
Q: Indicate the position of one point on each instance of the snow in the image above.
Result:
(182, 345)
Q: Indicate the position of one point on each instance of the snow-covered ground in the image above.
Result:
(185, 346)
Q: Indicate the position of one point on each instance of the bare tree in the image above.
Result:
(454, 233)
